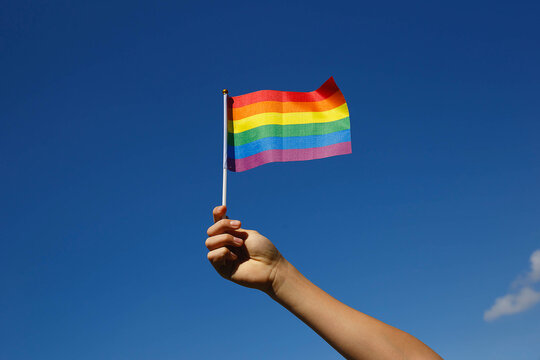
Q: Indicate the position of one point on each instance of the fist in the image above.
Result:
(240, 255)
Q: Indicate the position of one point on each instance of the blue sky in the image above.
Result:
(110, 144)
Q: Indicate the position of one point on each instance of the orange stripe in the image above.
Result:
(288, 107)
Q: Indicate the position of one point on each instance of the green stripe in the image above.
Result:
(288, 130)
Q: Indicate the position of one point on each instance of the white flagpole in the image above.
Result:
(224, 193)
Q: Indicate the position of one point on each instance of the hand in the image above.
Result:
(242, 256)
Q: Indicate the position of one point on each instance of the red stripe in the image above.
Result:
(325, 91)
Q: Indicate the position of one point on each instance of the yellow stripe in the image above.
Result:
(238, 126)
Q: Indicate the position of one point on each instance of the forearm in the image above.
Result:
(353, 334)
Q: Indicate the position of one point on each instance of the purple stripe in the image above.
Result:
(268, 156)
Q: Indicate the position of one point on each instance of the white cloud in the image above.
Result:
(534, 275)
(522, 300)
(512, 304)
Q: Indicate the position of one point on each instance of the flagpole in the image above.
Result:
(224, 192)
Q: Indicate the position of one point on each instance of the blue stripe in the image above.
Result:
(293, 142)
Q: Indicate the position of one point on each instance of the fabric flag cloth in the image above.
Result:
(270, 126)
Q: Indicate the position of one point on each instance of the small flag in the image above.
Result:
(270, 126)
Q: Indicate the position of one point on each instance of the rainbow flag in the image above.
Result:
(269, 126)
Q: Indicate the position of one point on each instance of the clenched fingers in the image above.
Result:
(222, 240)
(222, 226)
(220, 257)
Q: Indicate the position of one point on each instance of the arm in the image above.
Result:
(250, 259)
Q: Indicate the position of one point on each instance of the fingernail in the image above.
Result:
(235, 223)
(238, 241)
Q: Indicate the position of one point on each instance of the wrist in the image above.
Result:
(280, 273)
(288, 284)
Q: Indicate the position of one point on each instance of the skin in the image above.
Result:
(250, 259)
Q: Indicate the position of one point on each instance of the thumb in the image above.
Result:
(219, 213)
